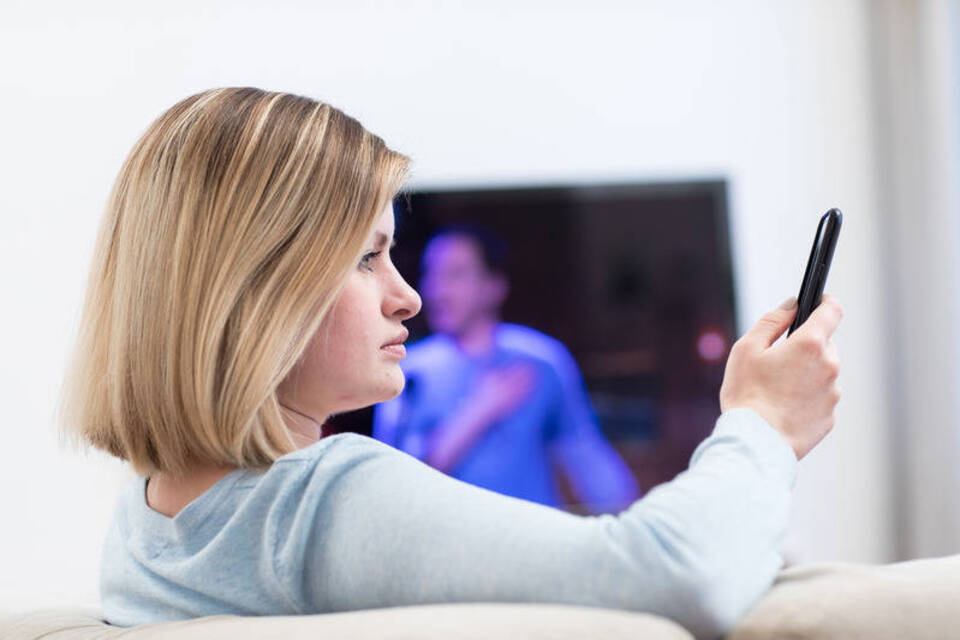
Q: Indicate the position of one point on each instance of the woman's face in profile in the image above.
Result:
(346, 365)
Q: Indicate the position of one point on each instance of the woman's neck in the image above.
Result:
(168, 495)
(304, 430)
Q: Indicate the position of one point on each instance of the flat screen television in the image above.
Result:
(634, 279)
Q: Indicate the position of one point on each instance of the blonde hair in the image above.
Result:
(230, 229)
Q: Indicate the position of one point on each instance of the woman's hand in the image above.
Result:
(793, 384)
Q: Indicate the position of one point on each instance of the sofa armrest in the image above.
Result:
(918, 599)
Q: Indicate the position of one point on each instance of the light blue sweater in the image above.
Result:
(350, 523)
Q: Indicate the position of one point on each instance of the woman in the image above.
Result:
(242, 291)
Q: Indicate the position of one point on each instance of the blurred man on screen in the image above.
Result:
(498, 405)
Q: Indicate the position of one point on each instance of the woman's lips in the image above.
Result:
(397, 350)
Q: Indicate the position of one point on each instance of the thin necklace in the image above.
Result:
(319, 428)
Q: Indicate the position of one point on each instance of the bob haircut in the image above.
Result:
(229, 232)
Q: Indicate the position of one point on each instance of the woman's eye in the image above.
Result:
(365, 260)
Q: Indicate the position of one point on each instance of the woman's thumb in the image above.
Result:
(773, 323)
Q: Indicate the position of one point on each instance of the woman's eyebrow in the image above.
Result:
(381, 239)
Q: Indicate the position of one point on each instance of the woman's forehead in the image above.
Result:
(385, 223)
(382, 233)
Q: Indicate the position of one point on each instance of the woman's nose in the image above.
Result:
(404, 301)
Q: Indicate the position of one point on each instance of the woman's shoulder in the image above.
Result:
(331, 458)
(316, 483)
(335, 445)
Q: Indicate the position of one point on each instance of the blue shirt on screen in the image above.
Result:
(552, 428)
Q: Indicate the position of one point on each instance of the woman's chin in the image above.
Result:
(393, 386)
(389, 386)
(397, 389)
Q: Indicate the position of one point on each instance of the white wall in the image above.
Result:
(918, 98)
(774, 96)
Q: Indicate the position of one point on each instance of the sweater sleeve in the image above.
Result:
(376, 528)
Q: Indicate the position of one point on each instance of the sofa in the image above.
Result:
(915, 600)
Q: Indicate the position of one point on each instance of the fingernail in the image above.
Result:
(789, 303)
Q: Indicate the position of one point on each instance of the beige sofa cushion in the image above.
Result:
(913, 600)
(446, 622)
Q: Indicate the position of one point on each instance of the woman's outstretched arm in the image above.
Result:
(372, 527)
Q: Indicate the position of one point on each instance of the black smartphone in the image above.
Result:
(815, 277)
